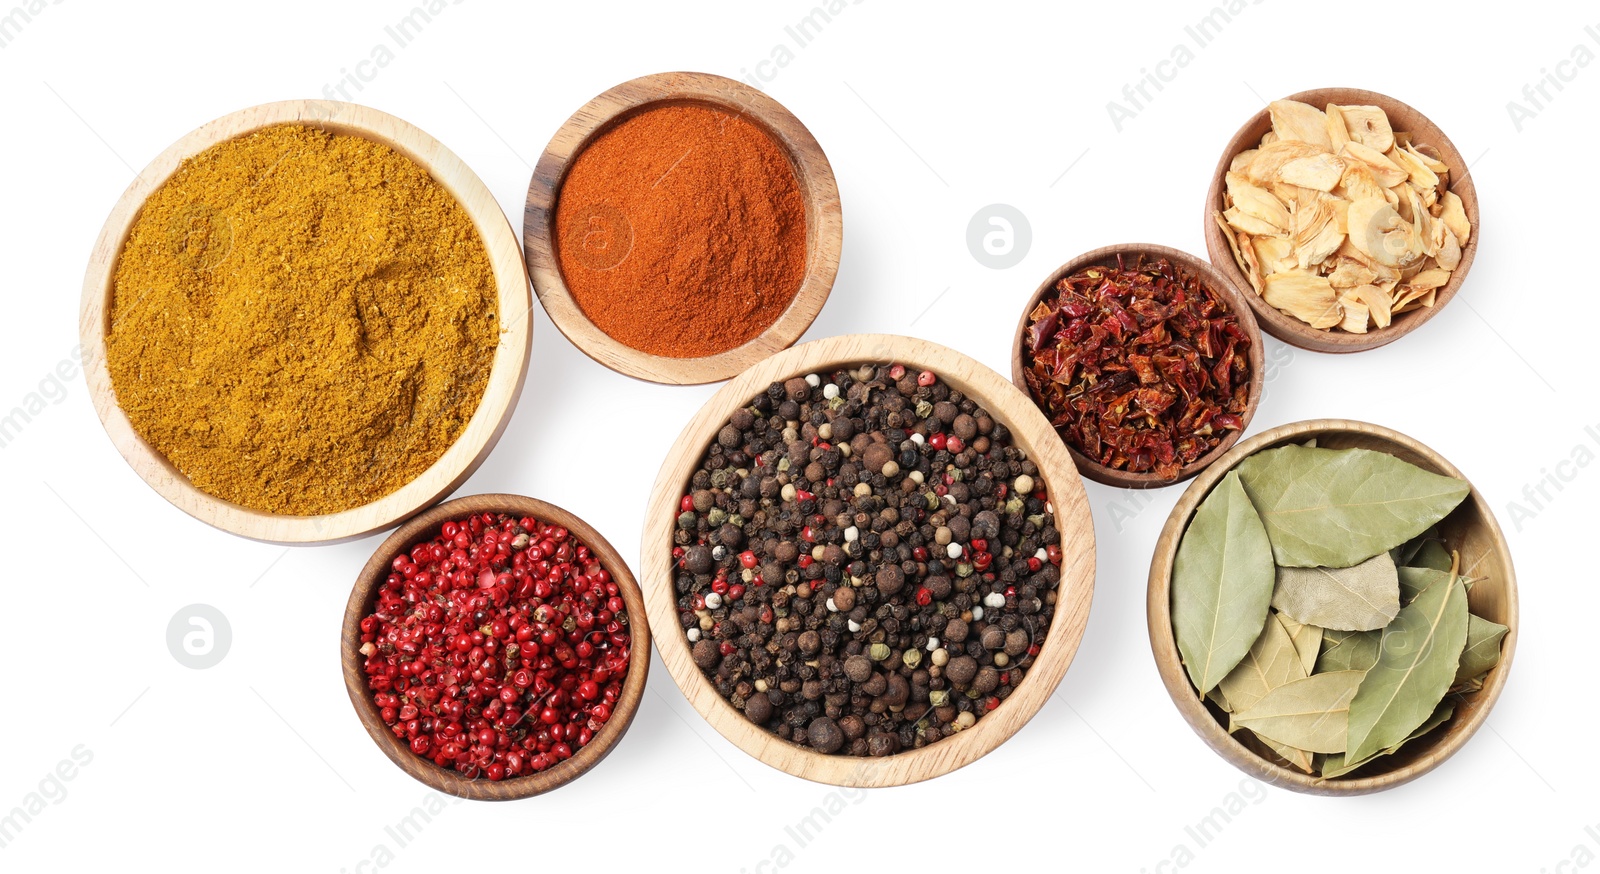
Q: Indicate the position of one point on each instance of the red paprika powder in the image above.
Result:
(681, 231)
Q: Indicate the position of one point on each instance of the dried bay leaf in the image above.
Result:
(1271, 662)
(1361, 597)
(1339, 507)
(1222, 580)
(1307, 714)
(1307, 641)
(1482, 651)
(1335, 765)
(1431, 554)
(1348, 650)
(1416, 666)
(1413, 580)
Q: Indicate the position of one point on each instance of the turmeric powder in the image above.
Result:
(301, 322)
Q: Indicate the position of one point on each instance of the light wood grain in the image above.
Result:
(1227, 291)
(1471, 529)
(1031, 433)
(1428, 137)
(425, 527)
(500, 394)
(824, 223)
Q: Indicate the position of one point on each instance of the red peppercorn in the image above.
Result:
(924, 597)
(954, 443)
(927, 378)
(938, 440)
(896, 371)
(471, 634)
(687, 504)
(1053, 553)
(748, 559)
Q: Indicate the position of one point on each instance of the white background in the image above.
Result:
(927, 113)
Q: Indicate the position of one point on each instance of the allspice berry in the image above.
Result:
(844, 599)
(706, 655)
(824, 735)
(987, 680)
(961, 671)
(809, 642)
(758, 709)
(955, 631)
(1017, 642)
(890, 579)
(858, 668)
(697, 560)
(993, 638)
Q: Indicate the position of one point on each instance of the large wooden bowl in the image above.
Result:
(824, 223)
(1030, 432)
(499, 395)
(425, 527)
(1426, 135)
(1471, 529)
(1230, 295)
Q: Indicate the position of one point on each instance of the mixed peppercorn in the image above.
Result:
(497, 648)
(1141, 368)
(866, 563)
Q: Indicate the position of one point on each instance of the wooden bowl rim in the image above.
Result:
(824, 223)
(500, 394)
(1030, 431)
(1290, 329)
(1164, 648)
(1214, 280)
(425, 525)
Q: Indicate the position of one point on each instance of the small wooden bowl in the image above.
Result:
(1220, 285)
(824, 223)
(1290, 329)
(1471, 528)
(426, 526)
(1031, 433)
(499, 395)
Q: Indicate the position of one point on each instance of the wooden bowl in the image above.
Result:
(1030, 432)
(824, 223)
(499, 395)
(1471, 528)
(1225, 289)
(1290, 329)
(425, 527)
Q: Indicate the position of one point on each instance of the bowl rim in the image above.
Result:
(507, 371)
(1290, 329)
(1213, 279)
(1163, 646)
(1073, 521)
(824, 223)
(425, 525)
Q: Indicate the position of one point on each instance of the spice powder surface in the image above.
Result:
(301, 322)
(681, 231)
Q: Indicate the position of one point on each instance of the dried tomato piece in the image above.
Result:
(1139, 368)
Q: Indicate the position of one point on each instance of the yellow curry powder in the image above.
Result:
(302, 322)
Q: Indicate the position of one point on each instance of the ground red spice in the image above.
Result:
(681, 232)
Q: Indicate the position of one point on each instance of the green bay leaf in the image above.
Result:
(1339, 507)
(1307, 641)
(1221, 582)
(1357, 598)
(1310, 714)
(1432, 555)
(1413, 580)
(1482, 651)
(1415, 668)
(1348, 650)
(1335, 764)
(1271, 662)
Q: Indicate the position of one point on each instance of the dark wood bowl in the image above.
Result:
(425, 526)
(1470, 528)
(1225, 289)
(1291, 330)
